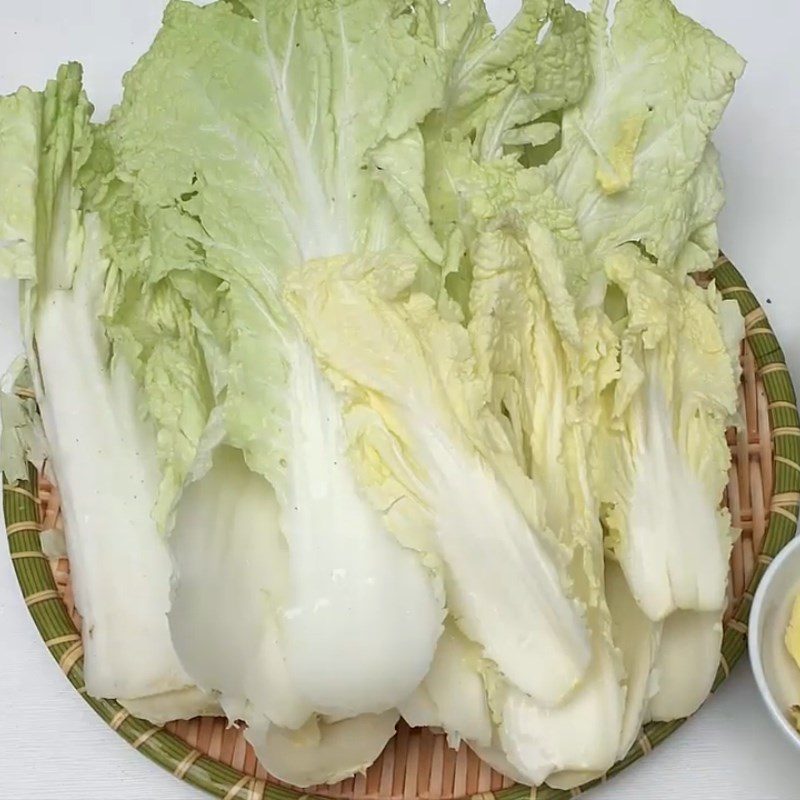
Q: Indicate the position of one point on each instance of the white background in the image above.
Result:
(51, 744)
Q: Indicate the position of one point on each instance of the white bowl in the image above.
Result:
(776, 674)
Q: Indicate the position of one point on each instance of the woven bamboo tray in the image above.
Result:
(762, 494)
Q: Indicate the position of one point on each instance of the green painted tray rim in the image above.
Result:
(56, 628)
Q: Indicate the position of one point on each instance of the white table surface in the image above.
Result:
(52, 744)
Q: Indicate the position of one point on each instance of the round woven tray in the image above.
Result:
(762, 494)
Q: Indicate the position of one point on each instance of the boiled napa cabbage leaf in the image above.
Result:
(635, 162)
(547, 351)
(667, 456)
(453, 696)
(225, 609)
(318, 152)
(103, 454)
(323, 752)
(637, 170)
(504, 94)
(686, 665)
(22, 439)
(639, 640)
(180, 704)
(436, 462)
